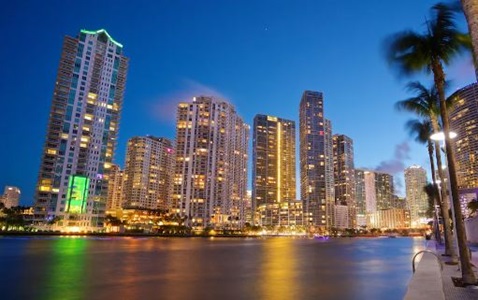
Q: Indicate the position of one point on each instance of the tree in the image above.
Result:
(469, 8)
(413, 52)
(473, 207)
(425, 103)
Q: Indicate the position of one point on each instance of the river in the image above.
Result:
(205, 268)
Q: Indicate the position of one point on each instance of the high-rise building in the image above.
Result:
(464, 122)
(273, 160)
(360, 197)
(11, 196)
(344, 176)
(211, 163)
(374, 192)
(115, 188)
(415, 181)
(316, 163)
(82, 131)
(370, 192)
(384, 190)
(148, 173)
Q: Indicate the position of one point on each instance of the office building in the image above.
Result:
(11, 196)
(82, 132)
(148, 173)
(211, 163)
(417, 199)
(344, 176)
(273, 161)
(115, 188)
(316, 163)
(360, 197)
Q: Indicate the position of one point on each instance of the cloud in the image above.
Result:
(163, 108)
(396, 166)
(397, 163)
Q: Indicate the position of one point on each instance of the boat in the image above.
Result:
(321, 237)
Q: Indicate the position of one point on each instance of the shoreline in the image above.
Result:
(131, 234)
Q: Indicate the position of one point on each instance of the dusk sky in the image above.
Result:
(260, 55)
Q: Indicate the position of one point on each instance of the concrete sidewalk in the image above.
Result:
(430, 281)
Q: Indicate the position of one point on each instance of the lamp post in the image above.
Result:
(440, 136)
(465, 257)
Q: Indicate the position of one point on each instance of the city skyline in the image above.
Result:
(261, 66)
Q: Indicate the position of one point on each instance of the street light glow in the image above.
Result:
(440, 136)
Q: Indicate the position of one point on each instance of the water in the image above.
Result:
(204, 268)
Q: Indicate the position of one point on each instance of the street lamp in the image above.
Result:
(440, 136)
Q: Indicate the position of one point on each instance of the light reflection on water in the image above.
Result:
(200, 268)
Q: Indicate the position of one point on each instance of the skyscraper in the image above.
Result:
(360, 197)
(344, 176)
(384, 190)
(82, 131)
(316, 163)
(210, 178)
(11, 196)
(148, 173)
(464, 122)
(273, 161)
(115, 188)
(415, 181)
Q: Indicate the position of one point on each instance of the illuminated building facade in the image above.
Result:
(360, 197)
(273, 161)
(464, 122)
(316, 163)
(378, 187)
(392, 218)
(115, 188)
(211, 163)
(82, 132)
(281, 214)
(384, 190)
(11, 196)
(148, 173)
(344, 176)
(417, 199)
(341, 216)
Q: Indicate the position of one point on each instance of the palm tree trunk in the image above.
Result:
(470, 7)
(468, 276)
(436, 200)
(449, 249)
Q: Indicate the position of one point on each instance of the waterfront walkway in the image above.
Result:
(433, 278)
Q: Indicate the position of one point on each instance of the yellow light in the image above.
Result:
(279, 128)
(45, 188)
(51, 151)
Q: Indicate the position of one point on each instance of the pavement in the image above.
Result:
(433, 277)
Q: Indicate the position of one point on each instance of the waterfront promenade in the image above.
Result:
(433, 278)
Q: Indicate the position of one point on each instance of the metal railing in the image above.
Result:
(426, 251)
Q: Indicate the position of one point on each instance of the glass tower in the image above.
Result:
(316, 163)
(82, 132)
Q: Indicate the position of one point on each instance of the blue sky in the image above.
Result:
(260, 55)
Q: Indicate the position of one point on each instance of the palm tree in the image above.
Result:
(425, 104)
(413, 52)
(470, 7)
(431, 189)
(421, 130)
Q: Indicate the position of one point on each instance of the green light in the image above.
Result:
(77, 194)
(102, 31)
